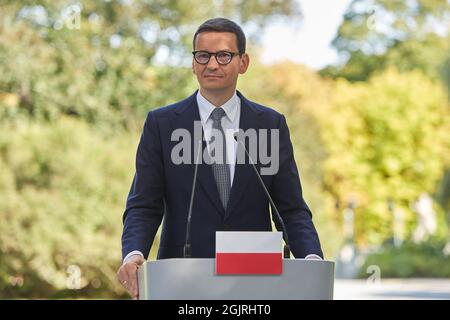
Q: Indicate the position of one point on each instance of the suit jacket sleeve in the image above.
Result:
(145, 203)
(287, 196)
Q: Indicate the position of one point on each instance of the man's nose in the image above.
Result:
(212, 63)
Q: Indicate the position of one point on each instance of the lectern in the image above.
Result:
(195, 279)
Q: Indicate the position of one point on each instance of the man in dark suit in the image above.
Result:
(228, 194)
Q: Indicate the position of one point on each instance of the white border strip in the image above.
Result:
(249, 242)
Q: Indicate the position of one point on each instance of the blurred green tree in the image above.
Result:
(408, 34)
(62, 189)
(386, 139)
(119, 59)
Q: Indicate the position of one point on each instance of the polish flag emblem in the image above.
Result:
(249, 252)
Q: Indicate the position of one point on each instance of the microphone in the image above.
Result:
(287, 248)
(187, 250)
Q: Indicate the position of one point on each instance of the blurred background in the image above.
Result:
(364, 85)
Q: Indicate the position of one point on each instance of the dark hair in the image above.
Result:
(222, 25)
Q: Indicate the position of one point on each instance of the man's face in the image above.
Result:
(214, 76)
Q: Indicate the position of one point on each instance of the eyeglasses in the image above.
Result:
(222, 57)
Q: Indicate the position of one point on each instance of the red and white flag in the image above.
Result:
(249, 252)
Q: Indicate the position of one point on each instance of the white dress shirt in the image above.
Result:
(230, 124)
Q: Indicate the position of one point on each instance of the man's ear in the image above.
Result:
(193, 70)
(244, 63)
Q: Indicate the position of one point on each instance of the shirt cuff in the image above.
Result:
(313, 257)
(132, 253)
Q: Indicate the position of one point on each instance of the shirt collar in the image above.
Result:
(206, 108)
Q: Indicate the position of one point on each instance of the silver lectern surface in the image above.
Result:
(195, 279)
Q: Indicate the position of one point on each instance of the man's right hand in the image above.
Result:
(127, 274)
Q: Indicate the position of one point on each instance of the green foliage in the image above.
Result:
(426, 259)
(386, 139)
(67, 74)
(62, 190)
(410, 35)
(359, 67)
(429, 55)
(373, 26)
(55, 71)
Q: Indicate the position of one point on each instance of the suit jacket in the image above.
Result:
(161, 189)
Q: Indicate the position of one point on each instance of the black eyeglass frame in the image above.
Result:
(232, 54)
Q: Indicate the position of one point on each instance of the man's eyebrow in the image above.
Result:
(227, 49)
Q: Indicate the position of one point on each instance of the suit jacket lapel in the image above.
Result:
(185, 117)
(243, 172)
